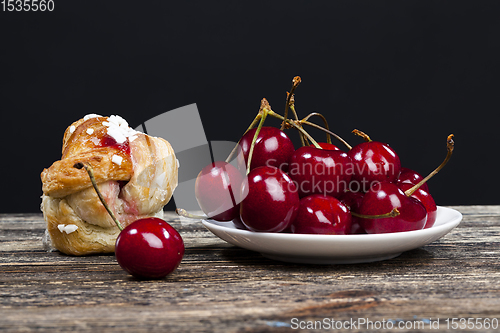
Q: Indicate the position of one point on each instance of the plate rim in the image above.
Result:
(454, 222)
(334, 249)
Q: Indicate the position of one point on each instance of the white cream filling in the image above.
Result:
(67, 228)
(116, 159)
(92, 115)
(119, 130)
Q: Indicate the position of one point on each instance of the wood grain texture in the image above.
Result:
(222, 288)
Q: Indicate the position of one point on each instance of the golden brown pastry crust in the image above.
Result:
(62, 178)
(140, 187)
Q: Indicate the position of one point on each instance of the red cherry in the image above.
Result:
(374, 162)
(217, 190)
(419, 193)
(327, 146)
(270, 201)
(320, 171)
(149, 248)
(272, 148)
(383, 198)
(322, 214)
(411, 177)
(353, 201)
(426, 199)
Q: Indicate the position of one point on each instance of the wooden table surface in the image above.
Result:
(219, 287)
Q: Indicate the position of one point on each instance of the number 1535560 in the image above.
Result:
(27, 5)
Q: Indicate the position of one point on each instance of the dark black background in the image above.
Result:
(406, 72)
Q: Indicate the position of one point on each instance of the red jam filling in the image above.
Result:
(108, 141)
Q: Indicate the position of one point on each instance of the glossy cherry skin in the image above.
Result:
(322, 214)
(149, 248)
(426, 199)
(326, 146)
(383, 198)
(374, 162)
(217, 191)
(353, 201)
(411, 177)
(320, 171)
(272, 148)
(270, 201)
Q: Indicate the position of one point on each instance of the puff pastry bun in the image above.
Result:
(135, 173)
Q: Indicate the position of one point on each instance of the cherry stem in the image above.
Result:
(294, 124)
(90, 172)
(303, 138)
(328, 137)
(327, 131)
(450, 145)
(252, 125)
(264, 108)
(362, 134)
(392, 213)
(292, 106)
(295, 82)
(182, 212)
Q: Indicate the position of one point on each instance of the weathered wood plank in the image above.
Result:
(219, 287)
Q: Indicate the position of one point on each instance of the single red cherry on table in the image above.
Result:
(217, 190)
(272, 148)
(382, 198)
(320, 171)
(149, 248)
(270, 200)
(373, 162)
(321, 214)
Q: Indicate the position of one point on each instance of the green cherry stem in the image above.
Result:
(252, 125)
(392, 213)
(292, 107)
(450, 145)
(327, 131)
(293, 124)
(90, 172)
(264, 111)
(303, 138)
(295, 82)
(306, 118)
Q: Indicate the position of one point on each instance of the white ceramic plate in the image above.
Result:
(334, 249)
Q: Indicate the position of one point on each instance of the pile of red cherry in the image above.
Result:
(317, 188)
